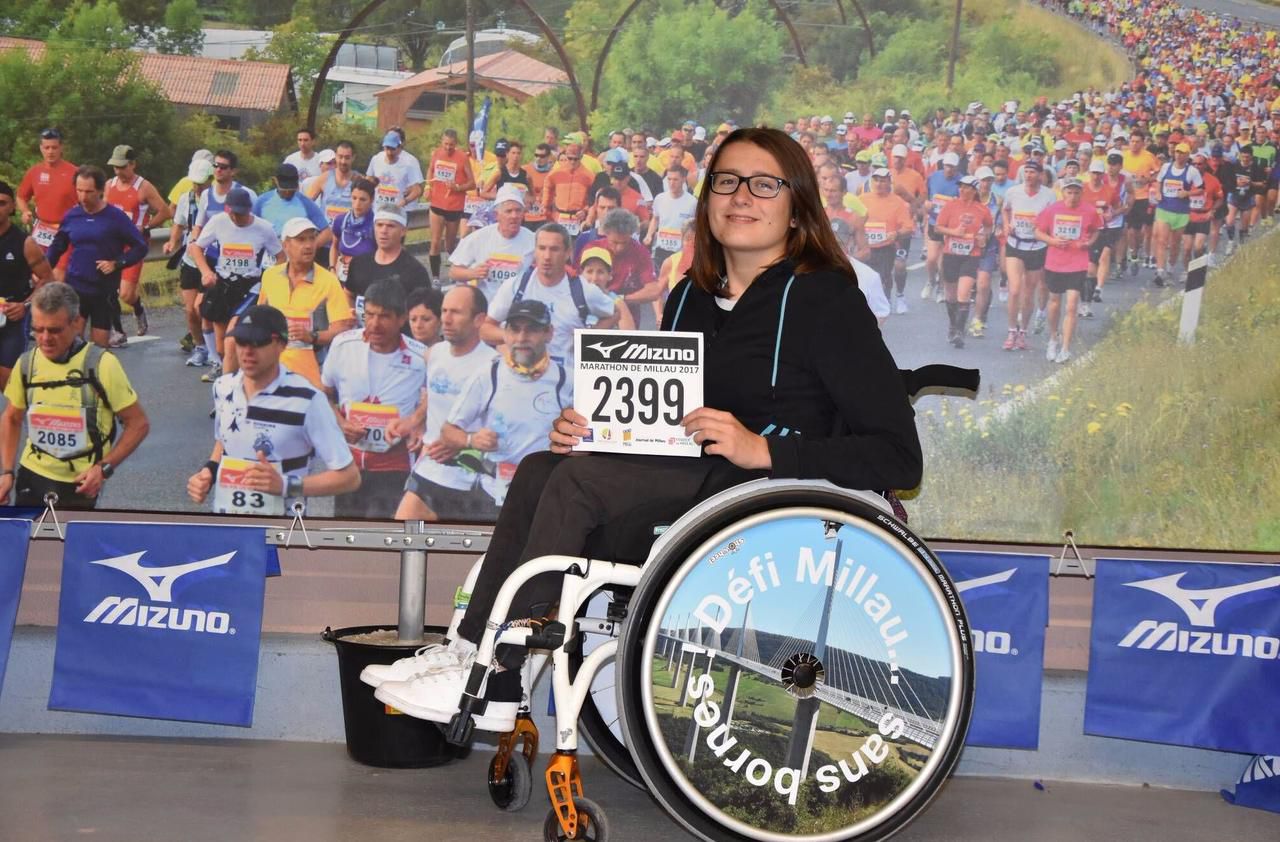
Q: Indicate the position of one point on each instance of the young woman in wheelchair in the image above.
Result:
(798, 384)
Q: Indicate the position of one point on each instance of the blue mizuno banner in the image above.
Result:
(1186, 653)
(1259, 785)
(160, 620)
(15, 537)
(1006, 597)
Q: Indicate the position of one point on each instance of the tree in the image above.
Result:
(182, 33)
(298, 44)
(98, 100)
(691, 61)
(95, 27)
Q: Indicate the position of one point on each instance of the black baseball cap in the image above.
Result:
(619, 169)
(259, 324)
(51, 134)
(501, 147)
(1115, 158)
(534, 311)
(287, 176)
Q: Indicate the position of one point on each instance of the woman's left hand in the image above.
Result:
(725, 436)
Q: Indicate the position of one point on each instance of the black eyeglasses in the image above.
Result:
(222, 166)
(760, 186)
(51, 134)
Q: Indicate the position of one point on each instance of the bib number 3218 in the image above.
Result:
(634, 387)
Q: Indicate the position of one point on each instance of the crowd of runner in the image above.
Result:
(343, 366)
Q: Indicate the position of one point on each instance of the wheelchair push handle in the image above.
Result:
(940, 379)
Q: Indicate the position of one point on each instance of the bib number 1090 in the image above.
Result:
(645, 400)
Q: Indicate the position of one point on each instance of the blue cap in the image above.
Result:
(392, 139)
(239, 201)
(617, 155)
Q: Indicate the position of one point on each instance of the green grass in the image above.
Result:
(1147, 443)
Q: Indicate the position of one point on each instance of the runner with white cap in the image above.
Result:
(491, 256)
(964, 224)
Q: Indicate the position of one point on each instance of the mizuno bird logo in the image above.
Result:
(158, 581)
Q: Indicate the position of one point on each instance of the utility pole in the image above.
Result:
(471, 68)
(955, 48)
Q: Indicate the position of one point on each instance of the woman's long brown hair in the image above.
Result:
(811, 245)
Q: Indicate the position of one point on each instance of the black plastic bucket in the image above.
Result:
(377, 735)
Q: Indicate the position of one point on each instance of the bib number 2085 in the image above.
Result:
(645, 400)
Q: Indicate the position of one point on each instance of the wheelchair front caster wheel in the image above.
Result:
(511, 791)
(592, 823)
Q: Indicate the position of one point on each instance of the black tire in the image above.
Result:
(938, 612)
(595, 727)
(511, 793)
(594, 829)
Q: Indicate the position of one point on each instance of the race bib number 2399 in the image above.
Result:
(634, 386)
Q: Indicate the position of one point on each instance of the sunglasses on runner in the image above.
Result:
(760, 186)
(222, 166)
(51, 134)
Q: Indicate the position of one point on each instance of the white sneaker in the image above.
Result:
(1051, 353)
(900, 304)
(927, 291)
(457, 655)
(1063, 356)
(939, 294)
(436, 697)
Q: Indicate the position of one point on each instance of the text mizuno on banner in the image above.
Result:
(161, 621)
(14, 540)
(1007, 599)
(1186, 653)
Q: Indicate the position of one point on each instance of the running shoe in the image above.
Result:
(199, 357)
(212, 374)
(118, 339)
(1051, 353)
(1010, 341)
(1158, 281)
(1085, 311)
(187, 344)
(438, 657)
(141, 315)
(1213, 260)
(1231, 247)
(1151, 262)
(957, 340)
(1022, 342)
(1038, 322)
(437, 696)
(1004, 294)
(927, 291)
(977, 329)
(1063, 356)
(1133, 266)
(1097, 295)
(939, 295)
(900, 304)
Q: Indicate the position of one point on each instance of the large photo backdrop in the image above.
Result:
(601, 115)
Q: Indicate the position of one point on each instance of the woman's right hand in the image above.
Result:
(567, 431)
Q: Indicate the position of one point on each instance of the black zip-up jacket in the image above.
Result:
(838, 410)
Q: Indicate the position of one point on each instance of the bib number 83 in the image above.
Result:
(645, 400)
(248, 499)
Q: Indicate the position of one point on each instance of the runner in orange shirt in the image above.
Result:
(1098, 193)
(52, 184)
(1204, 207)
(566, 189)
(888, 230)
(535, 212)
(964, 223)
(143, 203)
(449, 177)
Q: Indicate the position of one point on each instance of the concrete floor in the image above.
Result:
(55, 788)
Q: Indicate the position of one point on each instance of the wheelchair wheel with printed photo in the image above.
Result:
(795, 665)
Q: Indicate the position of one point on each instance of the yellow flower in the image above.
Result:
(1020, 388)
(1102, 415)
(1124, 405)
(950, 424)
(1061, 414)
(1091, 405)
(1053, 397)
(1094, 428)
(985, 434)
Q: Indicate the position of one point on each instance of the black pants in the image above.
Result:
(557, 505)
(31, 487)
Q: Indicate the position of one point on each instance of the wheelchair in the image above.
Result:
(790, 663)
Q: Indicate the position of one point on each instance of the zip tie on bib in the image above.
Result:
(50, 498)
(298, 522)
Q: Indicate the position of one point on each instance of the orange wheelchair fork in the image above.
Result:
(564, 784)
(525, 734)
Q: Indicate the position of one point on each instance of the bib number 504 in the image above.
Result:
(645, 400)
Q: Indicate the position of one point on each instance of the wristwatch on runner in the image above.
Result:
(107, 469)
